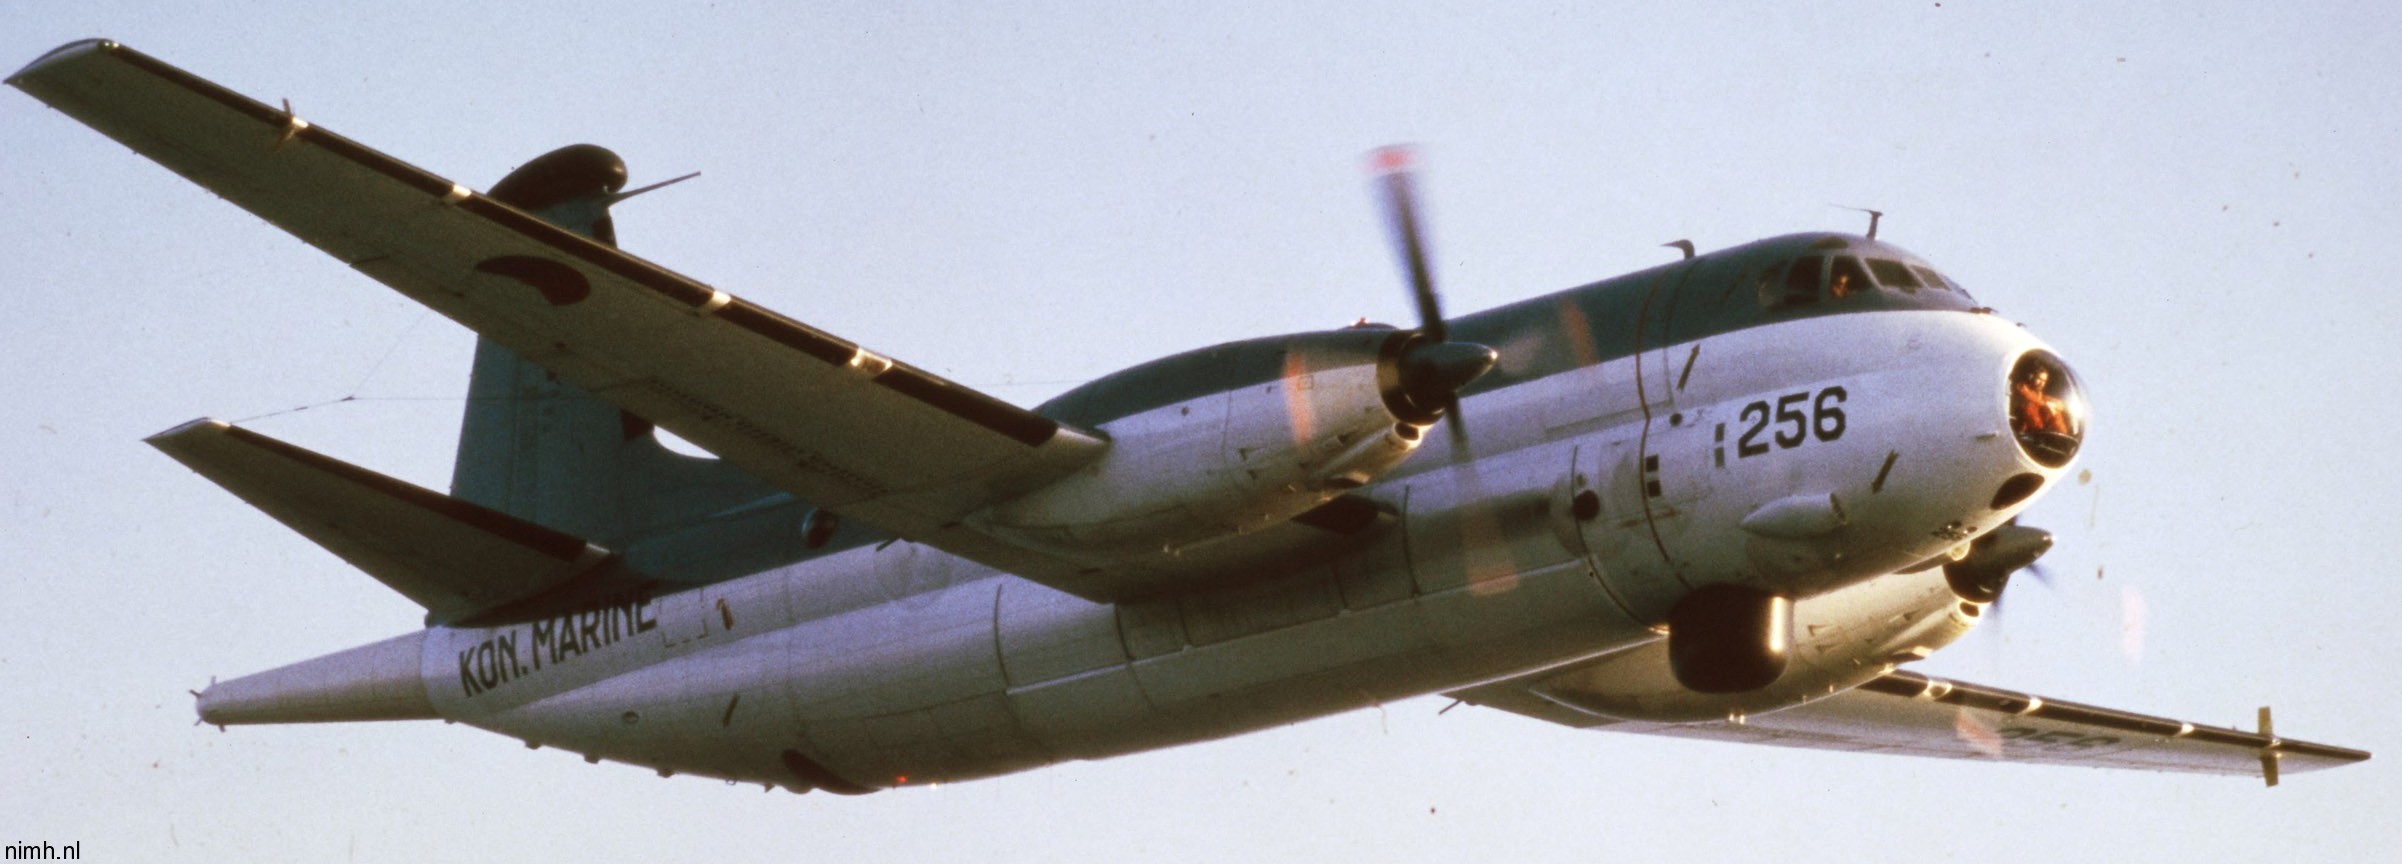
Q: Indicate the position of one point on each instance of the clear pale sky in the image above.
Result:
(2194, 202)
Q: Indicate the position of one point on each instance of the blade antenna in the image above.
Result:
(1873, 216)
(659, 185)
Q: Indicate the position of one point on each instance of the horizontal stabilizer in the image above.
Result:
(454, 558)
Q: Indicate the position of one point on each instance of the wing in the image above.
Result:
(873, 439)
(1909, 714)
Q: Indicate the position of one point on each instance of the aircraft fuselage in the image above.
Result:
(1729, 430)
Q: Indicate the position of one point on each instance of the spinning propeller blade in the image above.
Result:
(1435, 368)
(1396, 173)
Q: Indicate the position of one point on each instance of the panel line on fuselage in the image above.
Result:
(1651, 522)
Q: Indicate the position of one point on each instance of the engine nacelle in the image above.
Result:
(1841, 639)
(1228, 440)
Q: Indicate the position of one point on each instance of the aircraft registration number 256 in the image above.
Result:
(1792, 426)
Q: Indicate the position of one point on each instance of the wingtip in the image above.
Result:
(79, 46)
(202, 425)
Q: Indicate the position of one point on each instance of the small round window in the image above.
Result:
(2047, 409)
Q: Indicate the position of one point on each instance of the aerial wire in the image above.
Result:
(361, 384)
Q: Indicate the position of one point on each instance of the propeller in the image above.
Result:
(1993, 611)
(1433, 368)
(1981, 575)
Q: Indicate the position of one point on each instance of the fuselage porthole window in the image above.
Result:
(2047, 409)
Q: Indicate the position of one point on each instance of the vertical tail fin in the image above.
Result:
(543, 450)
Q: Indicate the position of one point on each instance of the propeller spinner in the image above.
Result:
(1981, 575)
(1433, 368)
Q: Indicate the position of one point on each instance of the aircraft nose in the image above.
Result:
(2047, 408)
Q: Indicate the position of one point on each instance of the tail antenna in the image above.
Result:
(666, 183)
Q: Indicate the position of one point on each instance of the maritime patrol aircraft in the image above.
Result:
(1731, 497)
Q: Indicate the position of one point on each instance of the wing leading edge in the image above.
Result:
(856, 433)
(1906, 713)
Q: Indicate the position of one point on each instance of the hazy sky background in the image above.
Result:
(2196, 203)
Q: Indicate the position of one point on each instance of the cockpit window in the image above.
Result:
(1858, 282)
(1801, 282)
(1938, 280)
(1847, 279)
(1892, 274)
(1767, 284)
(1935, 280)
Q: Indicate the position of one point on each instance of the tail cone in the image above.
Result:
(380, 681)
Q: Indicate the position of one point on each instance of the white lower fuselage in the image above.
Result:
(899, 664)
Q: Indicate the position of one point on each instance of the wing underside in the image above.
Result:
(874, 439)
(1905, 713)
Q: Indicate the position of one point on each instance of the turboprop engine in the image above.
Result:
(1227, 440)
